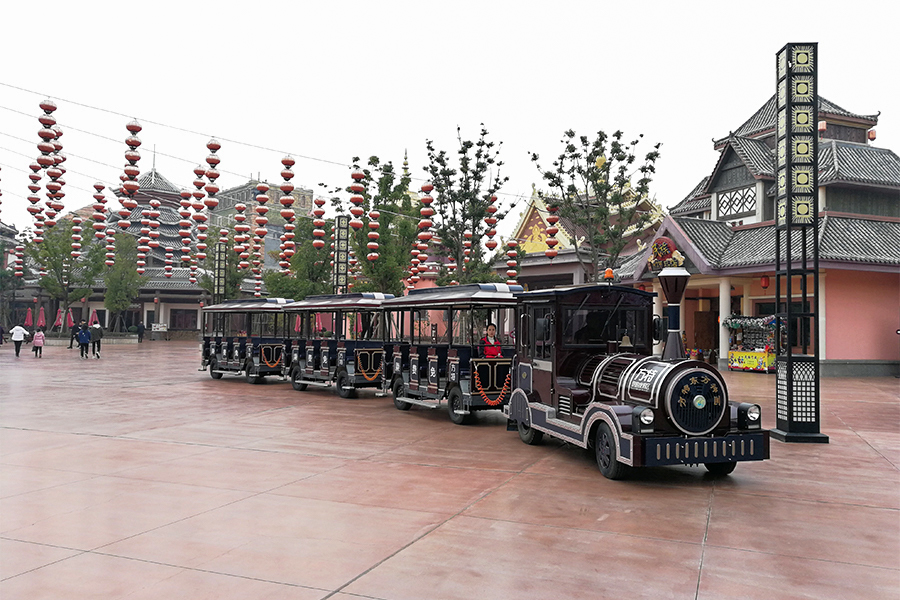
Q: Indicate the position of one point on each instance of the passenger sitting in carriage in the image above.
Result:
(490, 343)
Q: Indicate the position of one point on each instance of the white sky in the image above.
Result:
(330, 80)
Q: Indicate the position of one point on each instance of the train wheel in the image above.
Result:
(248, 367)
(397, 391)
(295, 381)
(528, 434)
(343, 386)
(454, 403)
(212, 369)
(720, 469)
(607, 454)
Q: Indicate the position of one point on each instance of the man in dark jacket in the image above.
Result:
(96, 336)
(140, 332)
(84, 339)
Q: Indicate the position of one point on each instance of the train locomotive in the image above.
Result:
(585, 375)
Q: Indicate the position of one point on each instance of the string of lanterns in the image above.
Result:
(552, 230)
(130, 187)
(259, 235)
(287, 213)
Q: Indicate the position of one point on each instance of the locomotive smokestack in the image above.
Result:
(673, 281)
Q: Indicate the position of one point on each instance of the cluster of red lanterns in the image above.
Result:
(100, 228)
(241, 235)
(129, 189)
(318, 222)
(36, 210)
(76, 236)
(19, 261)
(512, 262)
(51, 160)
(287, 213)
(184, 225)
(425, 235)
(491, 221)
(552, 220)
(357, 188)
(373, 235)
(167, 270)
(259, 236)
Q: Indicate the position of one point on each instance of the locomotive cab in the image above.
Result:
(585, 375)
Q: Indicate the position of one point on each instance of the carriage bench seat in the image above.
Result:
(569, 387)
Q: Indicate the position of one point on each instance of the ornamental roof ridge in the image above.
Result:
(763, 120)
(154, 180)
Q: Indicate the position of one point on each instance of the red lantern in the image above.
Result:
(764, 281)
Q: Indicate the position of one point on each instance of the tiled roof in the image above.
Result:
(697, 201)
(841, 239)
(711, 237)
(857, 163)
(758, 157)
(764, 119)
(858, 240)
(153, 180)
(628, 265)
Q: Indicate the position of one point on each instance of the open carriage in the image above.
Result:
(247, 338)
(338, 341)
(437, 354)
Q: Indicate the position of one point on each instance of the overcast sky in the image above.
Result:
(326, 81)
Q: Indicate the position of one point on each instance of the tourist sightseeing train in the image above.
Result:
(572, 363)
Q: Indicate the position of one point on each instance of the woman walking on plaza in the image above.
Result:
(38, 343)
(84, 340)
(96, 336)
(17, 335)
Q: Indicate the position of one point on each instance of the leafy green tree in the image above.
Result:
(123, 282)
(310, 271)
(600, 187)
(462, 196)
(68, 280)
(387, 192)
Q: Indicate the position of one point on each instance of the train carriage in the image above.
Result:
(585, 375)
(438, 358)
(339, 342)
(247, 338)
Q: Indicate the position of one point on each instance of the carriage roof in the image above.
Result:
(250, 305)
(362, 300)
(561, 293)
(473, 293)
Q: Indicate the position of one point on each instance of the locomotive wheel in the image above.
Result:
(454, 402)
(295, 381)
(397, 391)
(252, 379)
(529, 435)
(720, 469)
(212, 369)
(343, 381)
(607, 453)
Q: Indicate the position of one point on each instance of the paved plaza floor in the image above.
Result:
(138, 477)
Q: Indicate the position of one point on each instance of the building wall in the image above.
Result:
(863, 314)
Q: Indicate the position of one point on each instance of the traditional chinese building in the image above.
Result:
(725, 230)
(539, 272)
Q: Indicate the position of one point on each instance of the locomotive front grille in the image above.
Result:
(669, 451)
(696, 402)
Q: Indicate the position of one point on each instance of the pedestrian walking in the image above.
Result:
(96, 336)
(37, 343)
(74, 333)
(140, 331)
(84, 340)
(17, 335)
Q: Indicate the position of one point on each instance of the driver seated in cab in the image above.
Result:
(490, 343)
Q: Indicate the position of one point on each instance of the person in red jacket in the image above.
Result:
(490, 343)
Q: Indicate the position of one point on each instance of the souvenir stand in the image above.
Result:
(752, 343)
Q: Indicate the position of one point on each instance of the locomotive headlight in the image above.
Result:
(642, 419)
(748, 416)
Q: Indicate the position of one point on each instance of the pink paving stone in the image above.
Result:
(160, 482)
